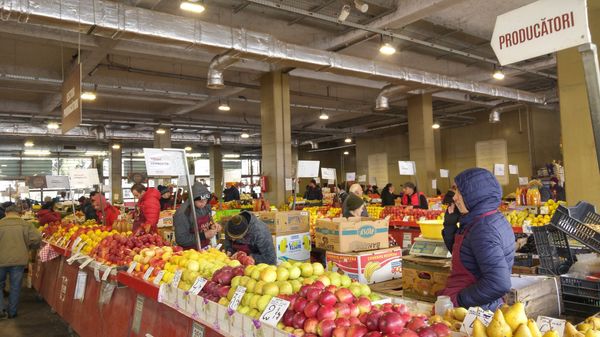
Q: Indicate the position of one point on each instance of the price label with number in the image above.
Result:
(86, 262)
(548, 323)
(176, 278)
(485, 316)
(106, 274)
(158, 277)
(76, 242)
(406, 218)
(148, 273)
(198, 285)
(274, 311)
(97, 273)
(237, 298)
(131, 267)
(81, 246)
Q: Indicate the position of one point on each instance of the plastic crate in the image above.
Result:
(581, 297)
(575, 221)
(524, 260)
(556, 257)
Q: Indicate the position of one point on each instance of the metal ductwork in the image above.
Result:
(496, 111)
(112, 18)
(313, 145)
(382, 101)
(216, 67)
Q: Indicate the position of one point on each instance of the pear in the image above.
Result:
(478, 329)
(504, 308)
(571, 331)
(498, 326)
(551, 333)
(592, 333)
(515, 315)
(533, 328)
(594, 321)
(460, 313)
(584, 327)
(522, 331)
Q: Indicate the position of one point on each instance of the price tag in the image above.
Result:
(106, 274)
(198, 285)
(548, 323)
(434, 184)
(544, 210)
(526, 223)
(158, 277)
(76, 242)
(176, 278)
(237, 298)
(523, 181)
(499, 170)
(81, 246)
(96, 273)
(485, 316)
(274, 311)
(513, 169)
(148, 273)
(73, 258)
(131, 267)
(444, 173)
(406, 218)
(197, 330)
(422, 218)
(80, 286)
(86, 262)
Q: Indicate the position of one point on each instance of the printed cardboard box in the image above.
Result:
(292, 247)
(285, 222)
(423, 277)
(367, 267)
(346, 235)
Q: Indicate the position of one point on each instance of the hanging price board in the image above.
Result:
(176, 278)
(158, 277)
(274, 311)
(148, 273)
(198, 285)
(106, 274)
(97, 273)
(237, 298)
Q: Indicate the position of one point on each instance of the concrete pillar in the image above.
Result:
(420, 140)
(442, 184)
(115, 175)
(276, 134)
(582, 177)
(164, 140)
(216, 169)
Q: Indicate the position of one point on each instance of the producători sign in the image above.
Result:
(540, 28)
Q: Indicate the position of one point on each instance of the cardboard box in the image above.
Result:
(540, 294)
(423, 277)
(285, 222)
(367, 267)
(346, 235)
(292, 247)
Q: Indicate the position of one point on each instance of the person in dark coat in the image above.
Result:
(313, 191)
(357, 190)
(47, 214)
(166, 200)
(231, 193)
(245, 232)
(355, 205)
(88, 208)
(388, 198)
(557, 191)
(183, 220)
(483, 248)
(414, 198)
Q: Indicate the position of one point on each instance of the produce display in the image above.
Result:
(405, 214)
(320, 212)
(519, 218)
(374, 211)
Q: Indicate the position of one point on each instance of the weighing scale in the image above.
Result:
(430, 248)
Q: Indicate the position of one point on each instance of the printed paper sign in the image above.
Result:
(308, 168)
(57, 182)
(131, 267)
(407, 168)
(165, 162)
(80, 285)
(499, 170)
(485, 316)
(434, 184)
(351, 176)
(237, 298)
(444, 173)
(289, 184)
(176, 278)
(548, 323)
(198, 285)
(328, 173)
(513, 169)
(361, 178)
(148, 273)
(274, 311)
(83, 178)
(523, 181)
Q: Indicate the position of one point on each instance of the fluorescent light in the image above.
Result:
(498, 74)
(435, 125)
(224, 107)
(194, 154)
(245, 135)
(348, 140)
(36, 153)
(95, 153)
(53, 126)
(29, 143)
(188, 148)
(361, 6)
(344, 13)
(324, 116)
(346, 153)
(192, 7)
(116, 146)
(231, 155)
(88, 96)
(161, 131)
(387, 49)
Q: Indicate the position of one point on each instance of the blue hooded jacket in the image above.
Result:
(489, 247)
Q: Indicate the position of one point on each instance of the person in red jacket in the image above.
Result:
(414, 198)
(147, 210)
(110, 213)
(47, 214)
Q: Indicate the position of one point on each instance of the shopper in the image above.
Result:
(356, 206)
(166, 202)
(17, 236)
(483, 248)
(376, 190)
(88, 209)
(557, 191)
(183, 220)
(106, 213)
(414, 198)
(47, 214)
(147, 209)
(357, 190)
(231, 193)
(313, 191)
(245, 232)
(388, 198)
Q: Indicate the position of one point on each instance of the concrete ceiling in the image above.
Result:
(141, 83)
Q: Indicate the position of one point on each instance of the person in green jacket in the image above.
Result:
(17, 236)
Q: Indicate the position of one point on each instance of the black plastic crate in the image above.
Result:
(556, 257)
(581, 297)
(524, 260)
(575, 221)
(580, 306)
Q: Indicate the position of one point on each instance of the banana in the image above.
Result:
(370, 269)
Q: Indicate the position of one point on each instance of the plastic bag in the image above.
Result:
(587, 264)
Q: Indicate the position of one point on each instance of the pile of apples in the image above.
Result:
(92, 237)
(119, 249)
(398, 213)
(220, 283)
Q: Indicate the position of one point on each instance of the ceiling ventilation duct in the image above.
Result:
(495, 116)
(382, 100)
(499, 109)
(216, 67)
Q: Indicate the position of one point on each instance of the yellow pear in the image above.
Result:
(571, 331)
(504, 308)
(498, 326)
(533, 328)
(594, 321)
(522, 331)
(460, 314)
(584, 327)
(551, 333)
(478, 329)
(592, 333)
(515, 315)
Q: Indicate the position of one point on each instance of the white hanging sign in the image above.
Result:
(274, 311)
(83, 178)
(407, 168)
(523, 181)
(57, 182)
(351, 176)
(513, 169)
(328, 173)
(308, 168)
(165, 162)
(499, 170)
(289, 184)
(434, 184)
(444, 173)
(361, 178)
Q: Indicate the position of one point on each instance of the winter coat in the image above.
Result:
(183, 220)
(231, 194)
(258, 239)
(387, 198)
(46, 216)
(488, 249)
(17, 236)
(417, 200)
(147, 210)
(112, 214)
(313, 193)
(166, 204)
(346, 212)
(89, 211)
(558, 193)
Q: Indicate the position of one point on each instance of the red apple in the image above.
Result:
(326, 313)
(311, 309)
(319, 285)
(342, 310)
(298, 333)
(408, 333)
(357, 331)
(310, 325)
(416, 323)
(373, 334)
(325, 328)
(387, 307)
(372, 321)
(313, 294)
(354, 321)
(400, 308)
(299, 319)
(363, 317)
(344, 295)
(364, 304)
(339, 331)
(441, 329)
(300, 304)
(354, 310)
(341, 321)
(331, 288)
(427, 332)
(304, 290)
(288, 318)
(327, 299)
(392, 323)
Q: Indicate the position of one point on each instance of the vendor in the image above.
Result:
(414, 198)
(313, 191)
(231, 193)
(483, 248)
(166, 202)
(147, 210)
(356, 206)
(185, 236)
(388, 198)
(88, 208)
(557, 191)
(104, 210)
(47, 214)
(245, 232)
(357, 190)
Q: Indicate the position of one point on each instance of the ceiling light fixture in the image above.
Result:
(498, 74)
(29, 143)
(36, 153)
(494, 116)
(160, 131)
(346, 153)
(387, 49)
(361, 6)
(231, 155)
(348, 139)
(324, 116)
(245, 135)
(88, 96)
(188, 148)
(224, 106)
(344, 13)
(95, 153)
(192, 6)
(435, 125)
(116, 146)
(53, 126)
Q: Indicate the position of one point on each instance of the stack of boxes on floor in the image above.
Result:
(359, 248)
(291, 235)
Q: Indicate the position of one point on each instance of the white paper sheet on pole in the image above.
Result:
(513, 169)
(328, 173)
(202, 167)
(330, 181)
(407, 168)
(317, 180)
(22, 189)
(308, 168)
(165, 162)
(232, 175)
(351, 176)
(289, 184)
(361, 178)
(372, 181)
(83, 178)
(434, 184)
(444, 173)
(523, 181)
(57, 182)
(499, 170)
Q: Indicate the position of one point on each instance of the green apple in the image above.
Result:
(261, 266)
(365, 290)
(244, 280)
(296, 285)
(306, 269)
(230, 293)
(248, 271)
(355, 289)
(253, 312)
(246, 299)
(258, 288)
(285, 288)
(374, 297)
(325, 280)
(318, 268)
(235, 281)
(251, 285)
(271, 289)
(336, 279)
(243, 309)
(262, 302)
(268, 275)
(283, 274)
(286, 265)
(254, 301)
(346, 281)
(295, 273)
(255, 274)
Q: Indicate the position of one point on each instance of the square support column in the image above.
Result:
(421, 141)
(116, 175)
(216, 169)
(163, 141)
(276, 134)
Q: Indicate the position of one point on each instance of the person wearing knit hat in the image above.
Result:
(355, 205)
(245, 232)
(105, 212)
(183, 220)
(166, 202)
(557, 191)
(412, 197)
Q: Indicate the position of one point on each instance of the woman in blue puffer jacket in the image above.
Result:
(483, 248)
